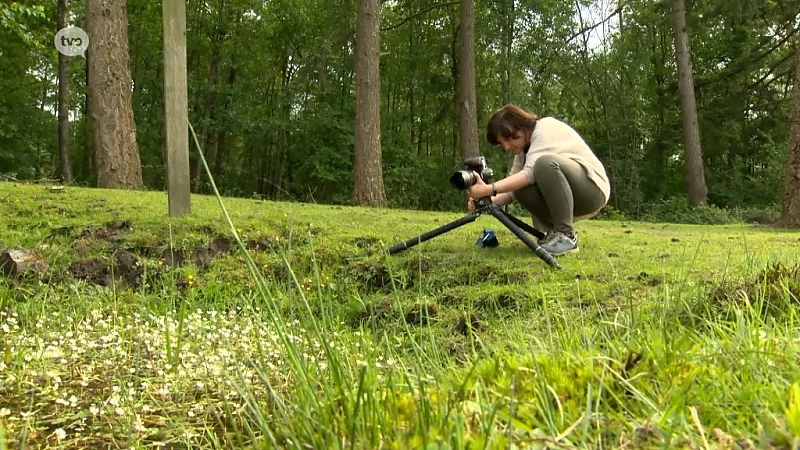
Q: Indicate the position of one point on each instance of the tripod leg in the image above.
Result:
(540, 252)
(435, 232)
(523, 225)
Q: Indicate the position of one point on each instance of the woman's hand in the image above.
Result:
(479, 189)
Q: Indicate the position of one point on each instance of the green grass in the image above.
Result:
(305, 333)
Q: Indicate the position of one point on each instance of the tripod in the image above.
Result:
(483, 205)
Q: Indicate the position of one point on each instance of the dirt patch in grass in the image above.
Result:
(122, 271)
(772, 292)
(120, 264)
(112, 231)
(265, 243)
(422, 264)
(771, 288)
(377, 311)
(366, 242)
(462, 349)
(470, 323)
(646, 279)
(374, 275)
(507, 298)
(421, 314)
(452, 297)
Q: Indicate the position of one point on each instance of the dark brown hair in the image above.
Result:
(507, 121)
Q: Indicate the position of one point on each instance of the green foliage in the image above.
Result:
(26, 80)
(678, 210)
(610, 213)
(793, 411)
(15, 18)
(322, 163)
(271, 93)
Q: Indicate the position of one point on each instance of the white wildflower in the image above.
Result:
(138, 426)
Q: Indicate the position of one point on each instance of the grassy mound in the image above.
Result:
(299, 330)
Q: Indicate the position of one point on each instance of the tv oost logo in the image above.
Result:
(72, 41)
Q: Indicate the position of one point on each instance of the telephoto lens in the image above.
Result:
(463, 179)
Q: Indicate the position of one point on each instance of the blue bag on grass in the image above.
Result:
(488, 239)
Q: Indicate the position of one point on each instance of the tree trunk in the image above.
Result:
(412, 106)
(65, 165)
(368, 167)
(40, 155)
(790, 208)
(467, 105)
(88, 123)
(695, 178)
(118, 163)
(454, 71)
(508, 43)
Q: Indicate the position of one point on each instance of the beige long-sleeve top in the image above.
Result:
(554, 136)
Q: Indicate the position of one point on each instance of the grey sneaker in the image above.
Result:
(560, 244)
(547, 238)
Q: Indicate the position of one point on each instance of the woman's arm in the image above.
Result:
(508, 184)
(512, 183)
(502, 199)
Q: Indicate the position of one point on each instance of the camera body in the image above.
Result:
(473, 167)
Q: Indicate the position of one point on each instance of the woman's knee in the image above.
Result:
(528, 196)
(549, 164)
(546, 162)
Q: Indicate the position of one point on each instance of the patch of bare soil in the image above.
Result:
(267, 243)
(469, 323)
(112, 231)
(121, 271)
(122, 267)
(421, 314)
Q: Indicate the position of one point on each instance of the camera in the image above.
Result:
(464, 179)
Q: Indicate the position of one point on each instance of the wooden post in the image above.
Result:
(176, 107)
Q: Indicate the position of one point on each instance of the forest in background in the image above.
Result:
(272, 94)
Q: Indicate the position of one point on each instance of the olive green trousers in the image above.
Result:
(562, 191)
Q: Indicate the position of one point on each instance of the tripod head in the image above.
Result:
(483, 203)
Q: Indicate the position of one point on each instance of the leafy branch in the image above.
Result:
(417, 14)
